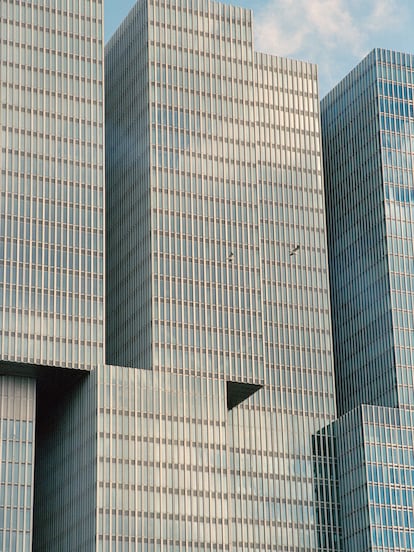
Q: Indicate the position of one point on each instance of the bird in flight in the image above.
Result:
(294, 250)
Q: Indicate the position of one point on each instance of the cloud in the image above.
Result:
(333, 33)
(384, 14)
(290, 25)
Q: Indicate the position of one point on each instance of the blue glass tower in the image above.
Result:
(368, 145)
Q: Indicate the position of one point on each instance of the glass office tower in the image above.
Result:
(51, 225)
(368, 144)
(51, 233)
(198, 433)
(17, 420)
(217, 287)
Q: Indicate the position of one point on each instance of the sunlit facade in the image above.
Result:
(368, 144)
(51, 233)
(217, 287)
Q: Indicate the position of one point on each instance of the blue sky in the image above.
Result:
(335, 34)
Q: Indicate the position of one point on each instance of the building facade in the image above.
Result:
(217, 286)
(368, 130)
(17, 423)
(52, 184)
(51, 226)
(198, 432)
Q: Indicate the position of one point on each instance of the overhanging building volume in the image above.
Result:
(368, 144)
(52, 185)
(197, 433)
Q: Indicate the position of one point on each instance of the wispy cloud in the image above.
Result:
(291, 25)
(333, 33)
(384, 14)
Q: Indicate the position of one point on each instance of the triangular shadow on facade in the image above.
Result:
(238, 392)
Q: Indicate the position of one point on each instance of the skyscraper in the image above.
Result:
(217, 287)
(198, 432)
(52, 185)
(368, 144)
(51, 224)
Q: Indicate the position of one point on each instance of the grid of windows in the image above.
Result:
(216, 271)
(51, 199)
(128, 219)
(206, 292)
(368, 130)
(395, 92)
(376, 478)
(51, 258)
(66, 466)
(372, 235)
(17, 420)
(360, 283)
(162, 461)
(176, 468)
(201, 228)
